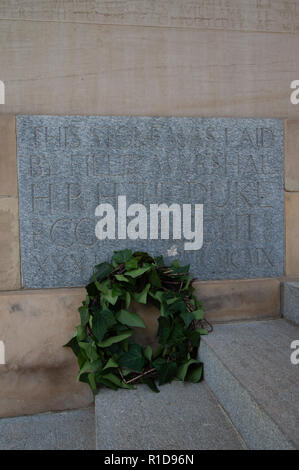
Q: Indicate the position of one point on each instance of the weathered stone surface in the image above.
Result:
(292, 231)
(9, 244)
(290, 301)
(182, 416)
(39, 374)
(292, 155)
(239, 299)
(8, 156)
(70, 430)
(248, 368)
(239, 15)
(69, 165)
(132, 70)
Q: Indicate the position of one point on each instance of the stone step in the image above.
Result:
(290, 301)
(182, 416)
(66, 430)
(248, 368)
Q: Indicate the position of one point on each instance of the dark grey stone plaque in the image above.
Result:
(68, 165)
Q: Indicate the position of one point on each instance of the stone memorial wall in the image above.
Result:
(69, 165)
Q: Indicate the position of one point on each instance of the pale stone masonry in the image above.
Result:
(39, 374)
(218, 59)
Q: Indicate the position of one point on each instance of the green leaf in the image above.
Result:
(115, 339)
(85, 368)
(166, 370)
(102, 270)
(116, 381)
(107, 383)
(122, 278)
(73, 344)
(159, 261)
(84, 315)
(177, 336)
(131, 264)
(194, 373)
(138, 272)
(90, 350)
(110, 364)
(127, 299)
(194, 337)
(158, 295)
(110, 296)
(92, 382)
(81, 333)
(188, 317)
(141, 297)
(122, 256)
(130, 319)
(154, 278)
(164, 329)
(150, 383)
(148, 352)
(133, 359)
(102, 320)
(183, 368)
(198, 314)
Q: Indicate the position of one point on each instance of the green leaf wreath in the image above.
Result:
(105, 352)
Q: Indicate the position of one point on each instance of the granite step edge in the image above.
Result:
(257, 428)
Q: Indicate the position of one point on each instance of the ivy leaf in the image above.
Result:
(84, 315)
(159, 261)
(127, 299)
(110, 364)
(194, 337)
(166, 370)
(102, 270)
(183, 368)
(116, 381)
(133, 359)
(92, 382)
(148, 352)
(102, 320)
(85, 368)
(164, 329)
(121, 277)
(73, 344)
(141, 297)
(188, 317)
(198, 314)
(194, 373)
(130, 319)
(115, 339)
(131, 264)
(177, 335)
(138, 272)
(158, 295)
(107, 383)
(81, 333)
(154, 278)
(90, 351)
(150, 383)
(122, 256)
(110, 296)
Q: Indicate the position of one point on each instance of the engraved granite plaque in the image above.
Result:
(68, 165)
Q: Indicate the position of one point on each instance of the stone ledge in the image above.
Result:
(291, 236)
(291, 131)
(290, 300)
(8, 156)
(9, 244)
(235, 300)
(247, 366)
(39, 374)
